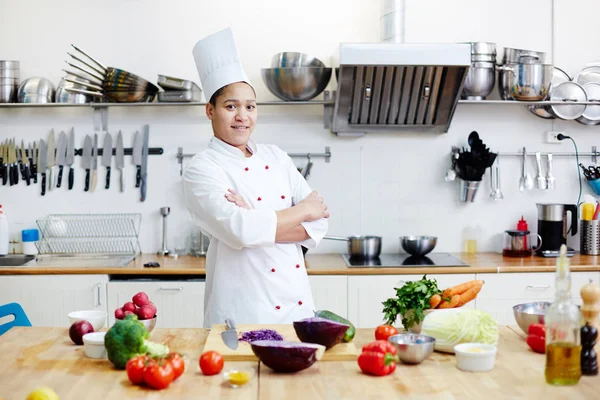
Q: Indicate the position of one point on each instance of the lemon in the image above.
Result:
(43, 393)
(239, 378)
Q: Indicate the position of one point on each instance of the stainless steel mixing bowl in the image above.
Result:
(36, 90)
(412, 348)
(418, 245)
(530, 313)
(293, 59)
(296, 84)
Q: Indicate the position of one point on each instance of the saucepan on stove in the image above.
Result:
(361, 246)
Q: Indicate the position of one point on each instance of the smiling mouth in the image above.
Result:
(240, 128)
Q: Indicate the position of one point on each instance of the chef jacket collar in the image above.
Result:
(226, 148)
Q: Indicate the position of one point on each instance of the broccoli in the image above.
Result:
(128, 338)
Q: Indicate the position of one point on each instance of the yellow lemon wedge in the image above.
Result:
(43, 393)
(239, 378)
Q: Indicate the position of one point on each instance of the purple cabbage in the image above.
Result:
(260, 334)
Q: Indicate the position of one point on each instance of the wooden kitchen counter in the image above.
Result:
(325, 264)
(33, 357)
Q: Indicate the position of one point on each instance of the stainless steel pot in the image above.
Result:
(521, 56)
(480, 81)
(526, 82)
(558, 76)
(361, 246)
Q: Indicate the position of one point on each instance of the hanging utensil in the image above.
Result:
(540, 180)
(71, 157)
(61, 156)
(120, 161)
(43, 153)
(549, 177)
(144, 167)
(107, 157)
(308, 167)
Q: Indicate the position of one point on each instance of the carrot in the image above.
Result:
(462, 288)
(450, 304)
(468, 295)
(435, 300)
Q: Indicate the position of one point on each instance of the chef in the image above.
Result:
(251, 201)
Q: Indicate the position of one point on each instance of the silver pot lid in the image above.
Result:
(592, 91)
(559, 76)
(568, 91)
(588, 75)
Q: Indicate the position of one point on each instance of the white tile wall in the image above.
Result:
(387, 184)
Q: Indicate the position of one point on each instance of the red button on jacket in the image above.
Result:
(300, 302)
(277, 307)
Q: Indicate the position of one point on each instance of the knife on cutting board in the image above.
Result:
(61, 152)
(230, 335)
(71, 157)
(136, 158)
(120, 161)
(107, 157)
(144, 168)
(86, 160)
(42, 164)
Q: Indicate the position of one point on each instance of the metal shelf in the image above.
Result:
(185, 104)
(531, 103)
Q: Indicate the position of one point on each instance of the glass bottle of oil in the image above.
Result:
(563, 326)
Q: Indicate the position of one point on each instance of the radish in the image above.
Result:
(146, 312)
(127, 313)
(140, 299)
(119, 313)
(129, 306)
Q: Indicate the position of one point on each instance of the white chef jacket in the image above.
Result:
(250, 277)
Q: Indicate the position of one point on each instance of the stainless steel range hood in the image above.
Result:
(398, 87)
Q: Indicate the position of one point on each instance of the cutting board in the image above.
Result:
(339, 352)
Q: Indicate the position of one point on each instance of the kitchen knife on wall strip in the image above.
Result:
(51, 159)
(120, 161)
(35, 160)
(20, 160)
(4, 166)
(107, 157)
(144, 169)
(137, 157)
(42, 151)
(86, 160)
(25, 161)
(70, 160)
(230, 335)
(14, 167)
(61, 156)
(1, 161)
(94, 165)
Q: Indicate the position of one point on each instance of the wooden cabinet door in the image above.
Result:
(179, 304)
(48, 299)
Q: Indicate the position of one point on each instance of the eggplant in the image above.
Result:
(320, 331)
(283, 356)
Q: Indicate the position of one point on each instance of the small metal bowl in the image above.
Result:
(418, 245)
(412, 348)
(530, 313)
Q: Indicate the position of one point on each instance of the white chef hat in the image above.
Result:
(218, 62)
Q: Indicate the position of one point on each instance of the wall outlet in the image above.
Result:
(551, 136)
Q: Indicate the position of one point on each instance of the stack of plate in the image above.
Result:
(9, 81)
(178, 90)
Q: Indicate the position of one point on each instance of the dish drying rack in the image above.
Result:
(99, 239)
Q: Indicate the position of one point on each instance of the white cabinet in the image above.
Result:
(179, 304)
(366, 293)
(330, 292)
(503, 291)
(47, 299)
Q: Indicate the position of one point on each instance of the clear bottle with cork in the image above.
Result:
(563, 327)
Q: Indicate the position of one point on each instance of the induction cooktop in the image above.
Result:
(392, 260)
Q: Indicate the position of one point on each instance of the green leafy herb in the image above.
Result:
(410, 302)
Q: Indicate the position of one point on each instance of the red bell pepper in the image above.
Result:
(378, 358)
(536, 338)
(380, 346)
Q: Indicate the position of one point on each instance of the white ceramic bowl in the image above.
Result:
(93, 345)
(475, 357)
(95, 317)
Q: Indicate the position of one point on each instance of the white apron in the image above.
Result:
(249, 277)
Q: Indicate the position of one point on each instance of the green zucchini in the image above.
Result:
(334, 317)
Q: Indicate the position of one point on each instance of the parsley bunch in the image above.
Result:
(413, 296)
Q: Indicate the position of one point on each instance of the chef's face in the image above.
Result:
(234, 114)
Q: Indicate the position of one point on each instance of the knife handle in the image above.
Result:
(143, 188)
(94, 179)
(138, 175)
(15, 172)
(34, 172)
(43, 183)
(71, 178)
(4, 174)
(27, 175)
(107, 177)
(87, 180)
(59, 179)
(22, 169)
(50, 177)
(121, 180)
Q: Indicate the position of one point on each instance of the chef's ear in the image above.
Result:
(210, 111)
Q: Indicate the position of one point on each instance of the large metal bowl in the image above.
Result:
(293, 59)
(530, 313)
(36, 90)
(480, 81)
(418, 245)
(412, 348)
(296, 84)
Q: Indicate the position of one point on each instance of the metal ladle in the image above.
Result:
(526, 181)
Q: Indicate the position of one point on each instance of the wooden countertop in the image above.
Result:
(34, 357)
(324, 264)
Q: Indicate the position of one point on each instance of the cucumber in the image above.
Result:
(334, 317)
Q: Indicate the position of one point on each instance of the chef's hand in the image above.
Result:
(237, 199)
(314, 207)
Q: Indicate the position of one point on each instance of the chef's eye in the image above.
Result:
(230, 107)
(250, 108)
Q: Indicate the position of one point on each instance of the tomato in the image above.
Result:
(158, 375)
(383, 332)
(177, 363)
(135, 369)
(211, 362)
